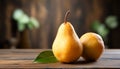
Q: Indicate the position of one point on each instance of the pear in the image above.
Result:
(66, 46)
(93, 46)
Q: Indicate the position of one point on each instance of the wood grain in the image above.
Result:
(50, 15)
(23, 58)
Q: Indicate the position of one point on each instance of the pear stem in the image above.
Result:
(66, 15)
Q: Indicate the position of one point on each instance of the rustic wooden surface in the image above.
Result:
(23, 58)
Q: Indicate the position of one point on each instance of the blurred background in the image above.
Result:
(34, 23)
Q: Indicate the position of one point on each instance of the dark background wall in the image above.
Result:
(50, 14)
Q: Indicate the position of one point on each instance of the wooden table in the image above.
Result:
(23, 58)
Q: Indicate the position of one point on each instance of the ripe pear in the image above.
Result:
(66, 46)
(93, 46)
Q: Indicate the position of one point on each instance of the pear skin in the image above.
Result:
(93, 46)
(66, 46)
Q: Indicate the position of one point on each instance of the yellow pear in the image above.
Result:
(66, 46)
(93, 46)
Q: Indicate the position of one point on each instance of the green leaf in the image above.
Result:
(34, 22)
(111, 22)
(30, 25)
(95, 25)
(21, 27)
(24, 19)
(17, 14)
(45, 57)
(102, 30)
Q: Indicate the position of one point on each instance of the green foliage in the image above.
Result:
(21, 27)
(18, 14)
(24, 21)
(111, 22)
(45, 57)
(100, 28)
(95, 25)
(33, 23)
(103, 31)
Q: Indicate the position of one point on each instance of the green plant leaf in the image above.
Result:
(34, 22)
(102, 30)
(95, 25)
(46, 57)
(18, 13)
(21, 27)
(111, 22)
(30, 25)
(24, 19)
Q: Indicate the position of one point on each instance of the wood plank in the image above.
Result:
(23, 58)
